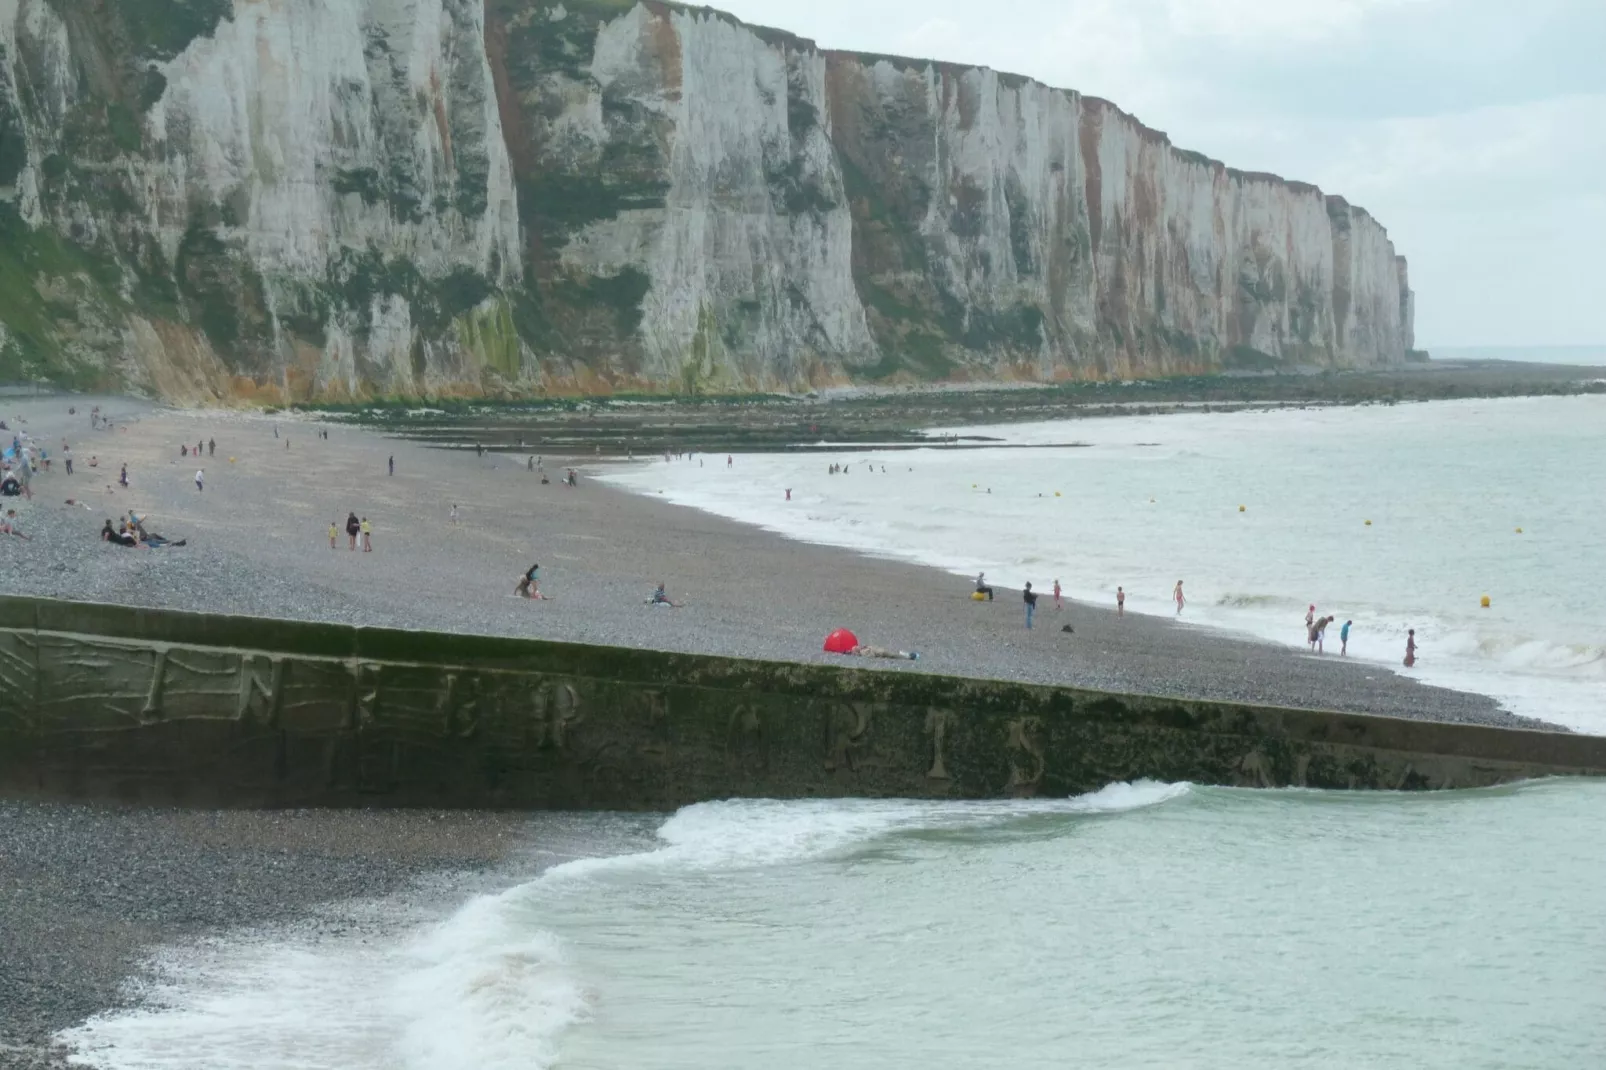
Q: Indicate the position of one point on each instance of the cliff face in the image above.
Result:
(343, 198)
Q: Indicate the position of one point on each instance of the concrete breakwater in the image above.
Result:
(114, 703)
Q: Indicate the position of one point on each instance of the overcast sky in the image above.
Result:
(1475, 130)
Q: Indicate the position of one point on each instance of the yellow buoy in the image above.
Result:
(1056, 494)
(1484, 602)
(1240, 508)
(1368, 523)
(231, 460)
(973, 486)
(1519, 531)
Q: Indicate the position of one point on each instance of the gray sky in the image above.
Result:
(1475, 130)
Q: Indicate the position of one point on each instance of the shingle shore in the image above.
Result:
(82, 890)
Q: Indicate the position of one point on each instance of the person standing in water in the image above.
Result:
(1057, 603)
(1030, 598)
(1176, 594)
(1120, 602)
(1343, 639)
(1410, 648)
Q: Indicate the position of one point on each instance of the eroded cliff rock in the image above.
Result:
(289, 199)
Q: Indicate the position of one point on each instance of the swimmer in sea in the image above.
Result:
(1176, 593)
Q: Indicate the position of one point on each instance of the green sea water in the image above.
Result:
(1143, 926)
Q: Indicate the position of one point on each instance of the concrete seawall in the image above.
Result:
(112, 703)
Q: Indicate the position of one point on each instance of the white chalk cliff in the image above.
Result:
(327, 199)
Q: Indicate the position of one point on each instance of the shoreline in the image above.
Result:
(258, 546)
(93, 892)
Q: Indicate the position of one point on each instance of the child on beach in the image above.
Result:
(1176, 593)
(334, 533)
(1120, 602)
(529, 585)
(1343, 639)
(367, 536)
(454, 512)
(1410, 648)
(1057, 603)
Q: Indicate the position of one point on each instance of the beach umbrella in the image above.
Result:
(841, 641)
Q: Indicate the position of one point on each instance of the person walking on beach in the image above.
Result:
(1410, 648)
(454, 512)
(200, 479)
(211, 447)
(981, 586)
(1057, 604)
(1176, 594)
(1030, 598)
(393, 464)
(1120, 602)
(353, 528)
(367, 536)
(1343, 639)
(334, 533)
(66, 456)
(122, 477)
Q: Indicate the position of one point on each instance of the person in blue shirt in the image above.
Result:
(1343, 639)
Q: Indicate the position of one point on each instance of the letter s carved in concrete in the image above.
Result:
(1026, 762)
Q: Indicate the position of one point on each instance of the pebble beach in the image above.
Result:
(84, 890)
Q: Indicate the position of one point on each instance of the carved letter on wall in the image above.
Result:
(557, 711)
(152, 709)
(847, 728)
(364, 700)
(458, 707)
(938, 722)
(252, 687)
(1026, 764)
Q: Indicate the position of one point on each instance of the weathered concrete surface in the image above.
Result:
(114, 703)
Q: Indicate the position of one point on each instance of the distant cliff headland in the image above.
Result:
(214, 201)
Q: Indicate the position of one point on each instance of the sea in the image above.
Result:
(1144, 926)
(1392, 517)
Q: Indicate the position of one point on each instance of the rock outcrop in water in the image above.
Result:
(326, 199)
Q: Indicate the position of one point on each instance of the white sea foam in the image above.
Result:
(489, 988)
(1153, 499)
(483, 990)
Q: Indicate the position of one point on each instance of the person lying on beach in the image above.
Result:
(8, 525)
(865, 650)
(121, 538)
(661, 598)
(529, 585)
